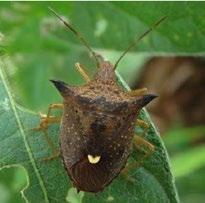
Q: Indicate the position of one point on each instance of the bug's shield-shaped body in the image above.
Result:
(97, 128)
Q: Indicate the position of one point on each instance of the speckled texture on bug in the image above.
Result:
(98, 120)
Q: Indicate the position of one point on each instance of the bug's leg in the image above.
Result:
(82, 72)
(55, 152)
(144, 146)
(143, 125)
(140, 142)
(45, 121)
(141, 145)
(138, 92)
(53, 119)
(43, 126)
(54, 106)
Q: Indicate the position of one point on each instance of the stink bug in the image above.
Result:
(98, 122)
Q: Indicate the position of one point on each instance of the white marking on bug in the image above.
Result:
(5, 104)
(93, 159)
(101, 26)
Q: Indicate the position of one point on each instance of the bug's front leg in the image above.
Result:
(138, 92)
(45, 121)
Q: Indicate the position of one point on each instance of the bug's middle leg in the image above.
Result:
(54, 151)
(45, 121)
(142, 145)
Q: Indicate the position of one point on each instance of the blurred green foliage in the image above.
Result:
(40, 49)
(188, 161)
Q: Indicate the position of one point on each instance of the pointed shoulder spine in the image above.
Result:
(63, 88)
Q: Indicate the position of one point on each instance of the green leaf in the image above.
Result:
(48, 181)
(106, 25)
(20, 145)
(42, 48)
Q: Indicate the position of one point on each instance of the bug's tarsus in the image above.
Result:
(80, 37)
(138, 39)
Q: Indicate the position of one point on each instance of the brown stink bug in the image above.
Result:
(97, 127)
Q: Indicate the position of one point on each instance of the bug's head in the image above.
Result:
(105, 72)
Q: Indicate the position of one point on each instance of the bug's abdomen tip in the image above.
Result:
(90, 177)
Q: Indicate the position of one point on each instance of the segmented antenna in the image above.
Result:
(80, 37)
(139, 38)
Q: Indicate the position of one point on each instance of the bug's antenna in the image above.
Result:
(139, 38)
(80, 37)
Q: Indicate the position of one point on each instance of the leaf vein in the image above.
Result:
(31, 157)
